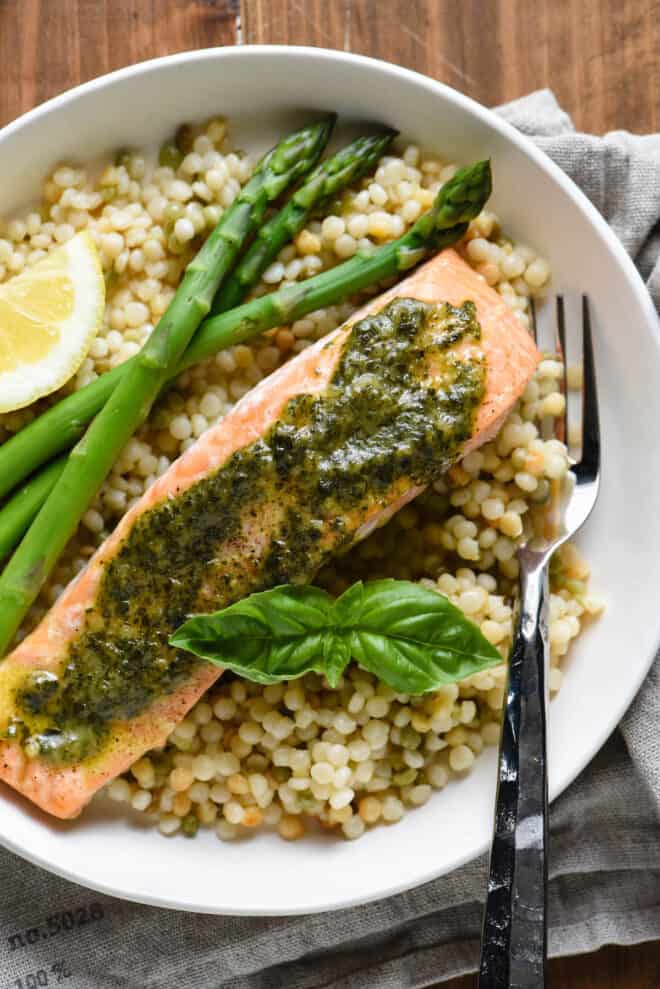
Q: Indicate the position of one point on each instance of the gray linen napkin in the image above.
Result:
(605, 839)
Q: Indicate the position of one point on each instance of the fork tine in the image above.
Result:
(573, 362)
(534, 330)
(546, 319)
(561, 327)
(561, 428)
(589, 464)
(545, 325)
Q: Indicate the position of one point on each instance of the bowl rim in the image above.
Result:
(467, 103)
(552, 171)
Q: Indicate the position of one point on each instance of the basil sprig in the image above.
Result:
(408, 636)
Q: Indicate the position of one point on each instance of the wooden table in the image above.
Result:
(599, 56)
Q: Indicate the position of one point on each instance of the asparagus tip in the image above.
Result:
(477, 176)
(328, 122)
(466, 192)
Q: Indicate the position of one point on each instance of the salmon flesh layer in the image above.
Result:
(309, 462)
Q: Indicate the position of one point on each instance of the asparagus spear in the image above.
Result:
(329, 178)
(55, 430)
(458, 201)
(91, 460)
(63, 426)
(17, 514)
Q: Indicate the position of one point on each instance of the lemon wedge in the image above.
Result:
(49, 315)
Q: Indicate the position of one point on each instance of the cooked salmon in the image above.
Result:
(313, 458)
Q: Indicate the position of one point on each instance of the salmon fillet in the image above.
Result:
(126, 570)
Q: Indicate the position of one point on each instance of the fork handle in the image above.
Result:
(514, 939)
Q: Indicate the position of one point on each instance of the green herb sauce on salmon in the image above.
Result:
(381, 418)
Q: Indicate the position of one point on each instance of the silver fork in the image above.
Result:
(514, 938)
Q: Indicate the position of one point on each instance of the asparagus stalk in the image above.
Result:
(459, 200)
(328, 179)
(61, 427)
(17, 514)
(130, 402)
(55, 430)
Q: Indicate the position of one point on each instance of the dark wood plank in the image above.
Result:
(611, 968)
(47, 46)
(600, 56)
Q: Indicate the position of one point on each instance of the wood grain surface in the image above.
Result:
(599, 56)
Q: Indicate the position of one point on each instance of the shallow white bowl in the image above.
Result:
(264, 91)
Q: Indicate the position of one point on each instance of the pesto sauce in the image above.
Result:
(399, 405)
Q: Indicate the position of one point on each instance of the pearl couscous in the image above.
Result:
(281, 756)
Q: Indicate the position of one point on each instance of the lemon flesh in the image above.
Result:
(49, 315)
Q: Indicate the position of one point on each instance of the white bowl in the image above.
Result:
(264, 91)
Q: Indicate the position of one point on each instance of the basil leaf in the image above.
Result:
(270, 636)
(412, 637)
(336, 656)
